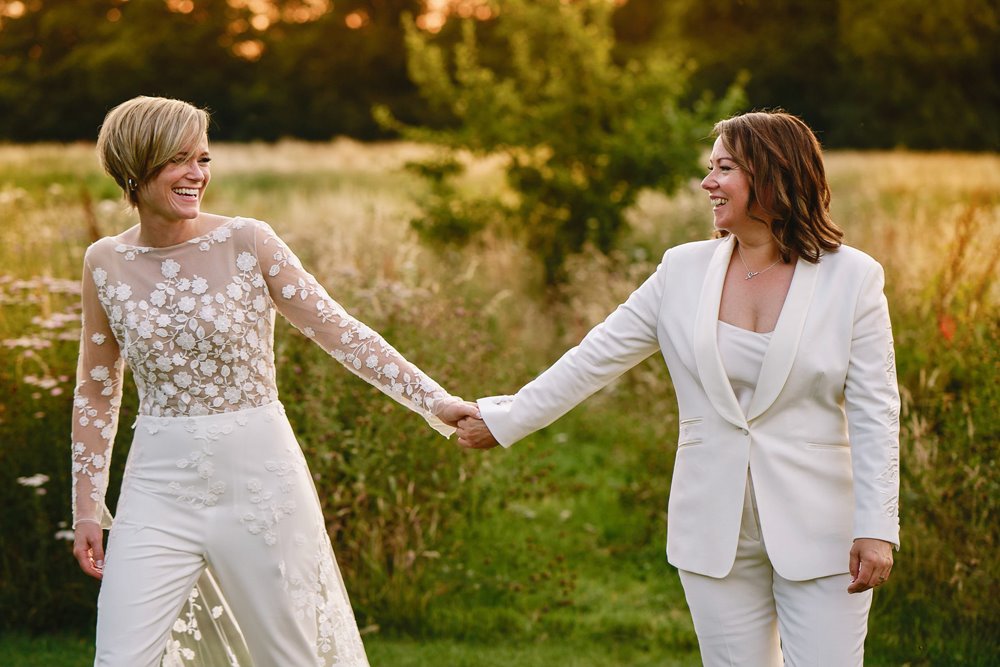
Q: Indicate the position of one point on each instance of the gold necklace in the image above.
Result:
(753, 274)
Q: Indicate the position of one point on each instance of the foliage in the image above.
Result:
(949, 328)
(913, 73)
(449, 217)
(389, 487)
(917, 73)
(582, 135)
(536, 551)
(265, 69)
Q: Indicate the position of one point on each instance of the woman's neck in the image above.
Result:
(758, 249)
(157, 232)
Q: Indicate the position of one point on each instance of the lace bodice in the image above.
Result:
(195, 323)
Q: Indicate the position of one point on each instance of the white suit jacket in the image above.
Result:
(821, 436)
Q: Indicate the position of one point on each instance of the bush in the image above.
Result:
(582, 135)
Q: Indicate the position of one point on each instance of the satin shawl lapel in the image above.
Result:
(706, 344)
(785, 340)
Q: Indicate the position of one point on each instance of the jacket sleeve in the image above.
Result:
(871, 399)
(303, 301)
(621, 341)
(96, 401)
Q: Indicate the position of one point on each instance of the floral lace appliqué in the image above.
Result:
(319, 593)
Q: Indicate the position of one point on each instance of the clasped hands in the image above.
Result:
(472, 430)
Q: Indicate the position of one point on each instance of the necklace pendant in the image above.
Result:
(751, 274)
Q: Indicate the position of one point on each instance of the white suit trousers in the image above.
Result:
(754, 617)
(232, 493)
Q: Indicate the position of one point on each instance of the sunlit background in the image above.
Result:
(482, 181)
(897, 73)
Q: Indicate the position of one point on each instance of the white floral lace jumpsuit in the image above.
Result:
(219, 553)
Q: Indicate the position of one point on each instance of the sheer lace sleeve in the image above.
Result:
(96, 401)
(303, 301)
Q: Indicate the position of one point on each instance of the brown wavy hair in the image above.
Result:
(784, 161)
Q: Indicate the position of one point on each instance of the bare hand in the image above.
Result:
(871, 562)
(473, 433)
(88, 547)
(455, 410)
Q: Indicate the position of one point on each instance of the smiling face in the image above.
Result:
(176, 191)
(728, 187)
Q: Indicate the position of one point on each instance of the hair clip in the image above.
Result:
(132, 185)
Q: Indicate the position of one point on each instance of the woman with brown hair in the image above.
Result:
(783, 509)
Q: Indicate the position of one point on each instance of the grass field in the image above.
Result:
(550, 553)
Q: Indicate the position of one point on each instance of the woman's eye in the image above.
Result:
(205, 160)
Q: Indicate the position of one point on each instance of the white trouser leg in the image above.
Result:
(147, 578)
(272, 558)
(270, 587)
(231, 492)
(820, 623)
(735, 617)
(740, 617)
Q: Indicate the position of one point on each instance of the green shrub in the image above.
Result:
(582, 135)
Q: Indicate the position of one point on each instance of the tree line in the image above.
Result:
(896, 73)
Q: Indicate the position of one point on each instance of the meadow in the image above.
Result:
(551, 553)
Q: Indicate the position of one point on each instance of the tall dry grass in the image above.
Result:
(477, 319)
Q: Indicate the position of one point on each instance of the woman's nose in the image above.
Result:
(708, 182)
(196, 171)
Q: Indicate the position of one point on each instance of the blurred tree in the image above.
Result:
(638, 26)
(324, 76)
(919, 74)
(66, 62)
(581, 134)
(789, 48)
(281, 68)
(916, 73)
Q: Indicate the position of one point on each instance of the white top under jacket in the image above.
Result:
(820, 437)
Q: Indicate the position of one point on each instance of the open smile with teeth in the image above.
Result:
(186, 192)
(718, 201)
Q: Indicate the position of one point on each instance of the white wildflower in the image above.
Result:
(34, 480)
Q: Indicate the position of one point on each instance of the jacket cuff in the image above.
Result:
(879, 528)
(495, 411)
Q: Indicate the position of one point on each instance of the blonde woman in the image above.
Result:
(783, 509)
(219, 552)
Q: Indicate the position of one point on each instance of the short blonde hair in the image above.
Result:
(139, 137)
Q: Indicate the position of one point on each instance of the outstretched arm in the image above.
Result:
(306, 304)
(625, 338)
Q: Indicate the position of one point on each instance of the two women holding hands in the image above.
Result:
(783, 506)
